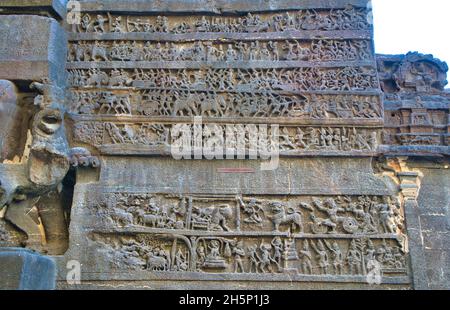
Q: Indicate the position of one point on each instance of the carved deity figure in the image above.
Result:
(277, 245)
(99, 24)
(387, 216)
(265, 259)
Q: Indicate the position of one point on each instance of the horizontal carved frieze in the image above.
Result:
(349, 18)
(263, 259)
(419, 139)
(224, 37)
(166, 139)
(216, 6)
(246, 80)
(253, 53)
(336, 217)
(178, 103)
(342, 237)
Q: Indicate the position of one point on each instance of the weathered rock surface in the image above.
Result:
(50, 8)
(224, 144)
(24, 270)
(35, 49)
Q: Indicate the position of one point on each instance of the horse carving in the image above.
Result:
(185, 105)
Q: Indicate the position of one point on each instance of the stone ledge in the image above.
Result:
(36, 49)
(53, 8)
(415, 150)
(215, 6)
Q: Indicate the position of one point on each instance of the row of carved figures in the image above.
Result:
(344, 215)
(220, 255)
(349, 18)
(318, 50)
(228, 137)
(298, 79)
(209, 104)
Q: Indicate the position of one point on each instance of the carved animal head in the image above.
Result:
(277, 207)
(226, 211)
(49, 161)
(330, 203)
(306, 206)
(48, 121)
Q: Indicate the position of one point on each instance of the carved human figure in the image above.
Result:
(265, 260)
(238, 252)
(201, 256)
(306, 257)
(242, 48)
(354, 259)
(330, 207)
(99, 24)
(254, 259)
(277, 245)
(180, 261)
(322, 256)
(387, 218)
(338, 260)
(231, 54)
(116, 25)
(253, 211)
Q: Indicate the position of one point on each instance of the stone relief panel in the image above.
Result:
(293, 64)
(110, 136)
(334, 238)
(225, 215)
(179, 103)
(233, 51)
(250, 258)
(350, 18)
(230, 80)
(308, 78)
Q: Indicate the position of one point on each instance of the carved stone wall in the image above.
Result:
(359, 142)
(137, 78)
(416, 132)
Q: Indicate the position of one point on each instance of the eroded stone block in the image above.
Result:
(53, 8)
(36, 49)
(25, 270)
